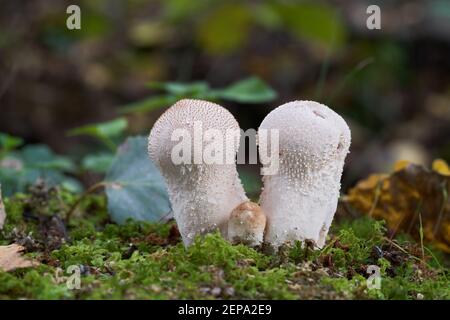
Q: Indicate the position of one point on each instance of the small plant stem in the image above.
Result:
(421, 235)
(437, 262)
(401, 248)
(441, 211)
(324, 68)
(90, 190)
(109, 144)
(340, 87)
(377, 197)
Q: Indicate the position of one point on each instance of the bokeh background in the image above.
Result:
(391, 85)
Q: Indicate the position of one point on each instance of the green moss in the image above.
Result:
(141, 260)
(210, 263)
(398, 287)
(357, 241)
(32, 284)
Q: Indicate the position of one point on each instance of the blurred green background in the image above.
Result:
(391, 85)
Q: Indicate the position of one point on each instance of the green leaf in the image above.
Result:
(108, 129)
(104, 131)
(71, 184)
(319, 23)
(180, 88)
(135, 188)
(250, 90)
(40, 156)
(175, 90)
(439, 8)
(36, 162)
(13, 180)
(99, 163)
(8, 180)
(8, 142)
(251, 182)
(176, 11)
(149, 104)
(226, 29)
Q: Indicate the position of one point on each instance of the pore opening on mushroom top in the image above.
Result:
(317, 113)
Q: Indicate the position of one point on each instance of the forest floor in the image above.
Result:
(148, 260)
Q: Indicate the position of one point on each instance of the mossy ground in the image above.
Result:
(148, 261)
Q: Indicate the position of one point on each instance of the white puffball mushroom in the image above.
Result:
(246, 225)
(202, 193)
(2, 210)
(300, 199)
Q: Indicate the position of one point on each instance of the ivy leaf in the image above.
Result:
(134, 186)
(8, 142)
(250, 90)
(251, 183)
(104, 131)
(34, 162)
(319, 23)
(175, 90)
(99, 163)
(40, 156)
(180, 88)
(149, 104)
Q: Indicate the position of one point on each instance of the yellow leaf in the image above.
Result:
(400, 165)
(440, 166)
(399, 198)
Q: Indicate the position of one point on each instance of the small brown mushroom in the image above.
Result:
(246, 225)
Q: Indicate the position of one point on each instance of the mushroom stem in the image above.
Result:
(300, 199)
(203, 184)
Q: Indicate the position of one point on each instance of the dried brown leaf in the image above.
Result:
(412, 191)
(11, 258)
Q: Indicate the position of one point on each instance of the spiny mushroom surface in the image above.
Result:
(300, 199)
(246, 225)
(202, 194)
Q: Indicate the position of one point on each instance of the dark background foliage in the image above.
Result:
(391, 85)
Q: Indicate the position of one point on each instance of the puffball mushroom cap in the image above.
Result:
(246, 225)
(202, 195)
(300, 199)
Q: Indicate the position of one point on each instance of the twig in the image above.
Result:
(377, 197)
(359, 67)
(402, 249)
(437, 262)
(441, 211)
(90, 190)
(421, 235)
